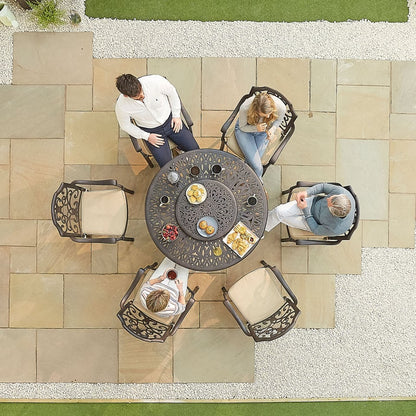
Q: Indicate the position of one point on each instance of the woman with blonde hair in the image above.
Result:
(162, 296)
(260, 116)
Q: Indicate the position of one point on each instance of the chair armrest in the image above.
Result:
(95, 182)
(136, 144)
(188, 307)
(281, 279)
(240, 323)
(140, 273)
(187, 117)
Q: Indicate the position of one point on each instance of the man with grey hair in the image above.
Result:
(323, 209)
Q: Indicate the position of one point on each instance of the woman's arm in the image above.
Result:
(181, 297)
(159, 279)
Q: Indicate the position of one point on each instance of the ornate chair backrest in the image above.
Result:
(65, 210)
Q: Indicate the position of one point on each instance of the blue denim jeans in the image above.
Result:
(253, 145)
(183, 139)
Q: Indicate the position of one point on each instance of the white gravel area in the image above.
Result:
(371, 352)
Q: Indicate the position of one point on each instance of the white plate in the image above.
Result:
(210, 221)
(248, 236)
(201, 188)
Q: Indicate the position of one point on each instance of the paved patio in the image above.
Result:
(58, 299)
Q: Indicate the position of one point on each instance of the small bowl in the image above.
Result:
(170, 232)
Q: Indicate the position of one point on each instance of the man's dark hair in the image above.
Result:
(128, 85)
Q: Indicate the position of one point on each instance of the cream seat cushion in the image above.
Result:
(257, 295)
(232, 144)
(104, 212)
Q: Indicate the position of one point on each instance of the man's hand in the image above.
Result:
(301, 199)
(176, 124)
(155, 139)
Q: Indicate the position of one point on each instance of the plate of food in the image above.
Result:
(207, 226)
(170, 232)
(196, 193)
(240, 239)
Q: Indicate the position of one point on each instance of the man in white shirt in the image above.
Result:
(154, 104)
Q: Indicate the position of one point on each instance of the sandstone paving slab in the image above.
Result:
(363, 112)
(92, 300)
(375, 233)
(344, 258)
(36, 300)
(52, 58)
(215, 315)
(4, 191)
(316, 299)
(23, 259)
(294, 259)
(363, 72)
(56, 254)
(79, 98)
(17, 233)
(91, 138)
(4, 151)
(402, 220)
(289, 76)
(104, 258)
(323, 85)
(144, 362)
(223, 92)
(212, 122)
(402, 166)
(210, 285)
(18, 355)
(185, 75)
(294, 173)
(313, 142)
(77, 356)
(32, 111)
(106, 71)
(403, 87)
(403, 126)
(358, 159)
(228, 356)
(34, 180)
(4, 286)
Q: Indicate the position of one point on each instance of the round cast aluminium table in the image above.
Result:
(226, 201)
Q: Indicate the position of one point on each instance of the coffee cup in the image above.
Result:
(171, 274)
(251, 201)
(195, 171)
(164, 200)
(216, 169)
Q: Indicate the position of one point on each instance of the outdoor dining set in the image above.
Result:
(205, 210)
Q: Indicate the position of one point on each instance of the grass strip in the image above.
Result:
(361, 408)
(249, 10)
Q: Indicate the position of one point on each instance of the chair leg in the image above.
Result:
(148, 160)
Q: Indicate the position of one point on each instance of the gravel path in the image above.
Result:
(371, 352)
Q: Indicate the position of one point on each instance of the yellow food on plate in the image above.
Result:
(231, 237)
(194, 187)
(202, 225)
(210, 229)
(192, 199)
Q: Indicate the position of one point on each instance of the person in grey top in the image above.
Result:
(259, 118)
(323, 209)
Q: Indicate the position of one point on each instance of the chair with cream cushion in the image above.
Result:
(275, 148)
(302, 237)
(258, 300)
(138, 321)
(91, 216)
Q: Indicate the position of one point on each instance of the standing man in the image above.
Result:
(153, 103)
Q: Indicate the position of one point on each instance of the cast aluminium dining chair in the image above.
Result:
(141, 145)
(141, 323)
(275, 148)
(91, 216)
(301, 237)
(267, 315)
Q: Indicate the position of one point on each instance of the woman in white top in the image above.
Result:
(260, 116)
(161, 298)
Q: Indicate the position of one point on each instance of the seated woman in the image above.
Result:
(330, 214)
(260, 116)
(162, 296)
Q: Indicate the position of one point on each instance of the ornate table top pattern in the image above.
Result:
(227, 194)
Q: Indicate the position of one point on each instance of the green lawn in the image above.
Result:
(250, 10)
(371, 408)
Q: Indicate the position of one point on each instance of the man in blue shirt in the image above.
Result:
(323, 209)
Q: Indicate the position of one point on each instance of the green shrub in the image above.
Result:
(47, 13)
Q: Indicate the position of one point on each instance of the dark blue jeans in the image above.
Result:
(183, 139)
